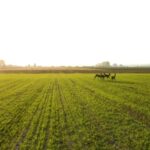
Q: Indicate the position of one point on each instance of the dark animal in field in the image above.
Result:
(102, 76)
(107, 75)
(113, 77)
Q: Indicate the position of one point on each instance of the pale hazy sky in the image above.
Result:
(74, 32)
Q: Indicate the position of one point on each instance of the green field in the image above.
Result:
(74, 111)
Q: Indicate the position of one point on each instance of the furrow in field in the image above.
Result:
(55, 132)
(15, 101)
(9, 98)
(16, 123)
(59, 121)
(73, 111)
(133, 111)
(128, 107)
(64, 90)
(5, 85)
(11, 104)
(102, 106)
(87, 123)
(40, 127)
(83, 113)
(69, 140)
(35, 118)
(61, 117)
(62, 103)
(48, 125)
(12, 91)
(135, 94)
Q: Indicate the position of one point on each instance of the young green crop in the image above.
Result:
(74, 111)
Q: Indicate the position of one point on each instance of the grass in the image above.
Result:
(74, 111)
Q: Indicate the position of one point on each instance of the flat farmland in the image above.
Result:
(74, 111)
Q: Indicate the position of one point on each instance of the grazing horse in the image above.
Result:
(102, 76)
(113, 77)
(107, 75)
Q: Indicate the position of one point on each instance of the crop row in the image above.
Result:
(60, 111)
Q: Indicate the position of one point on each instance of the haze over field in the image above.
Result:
(80, 32)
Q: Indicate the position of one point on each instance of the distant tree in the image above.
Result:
(104, 64)
(34, 65)
(115, 65)
(2, 63)
(28, 65)
(121, 65)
